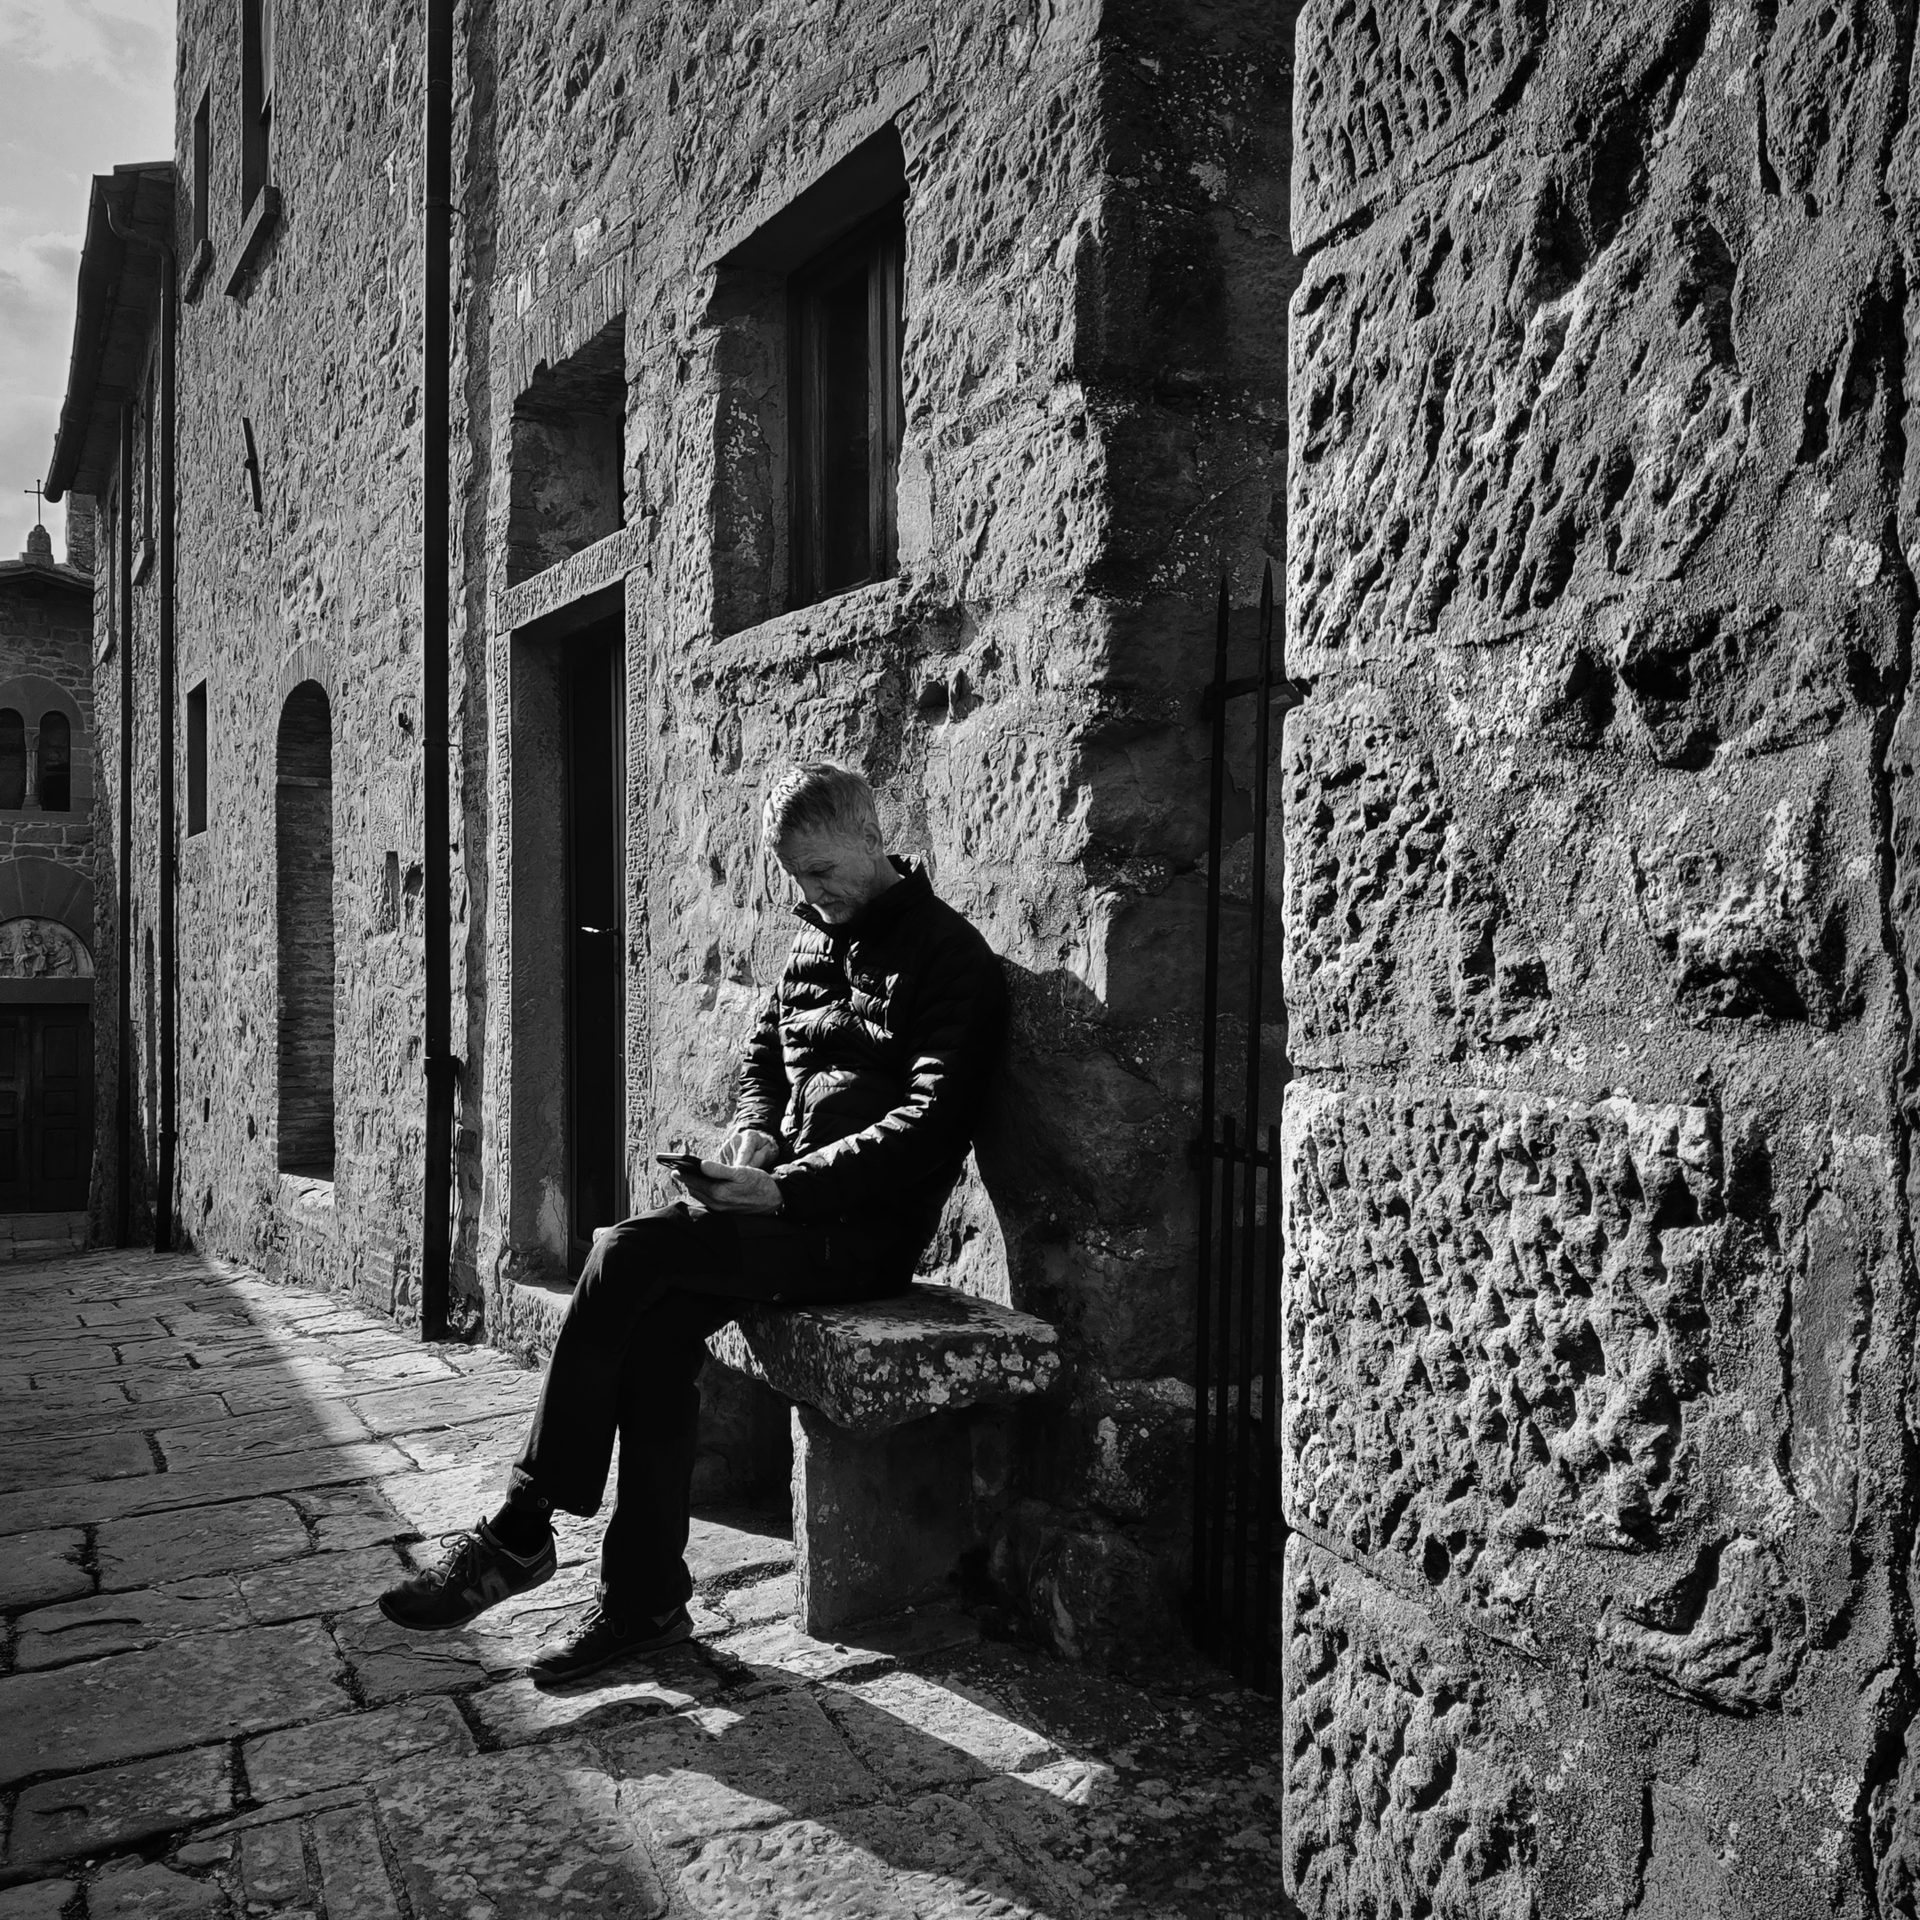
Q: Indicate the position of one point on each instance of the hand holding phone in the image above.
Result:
(683, 1166)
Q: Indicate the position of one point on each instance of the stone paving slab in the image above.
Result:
(38, 1567)
(323, 1583)
(744, 1764)
(153, 1893)
(448, 1403)
(42, 1900)
(516, 1711)
(154, 1547)
(351, 1749)
(556, 1841)
(114, 1455)
(161, 1492)
(183, 1692)
(291, 1431)
(118, 1622)
(915, 1733)
(933, 1859)
(115, 1807)
(353, 1878)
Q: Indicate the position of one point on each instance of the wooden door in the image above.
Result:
(46, 1109)
(596, 879)
(16, 1087)
(60, 1109)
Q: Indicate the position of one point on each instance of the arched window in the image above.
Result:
(303, 845)
(56, 763)
(13, 758)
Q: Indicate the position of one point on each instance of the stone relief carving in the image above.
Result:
(36, 949)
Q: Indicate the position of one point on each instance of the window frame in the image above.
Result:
(881, 239)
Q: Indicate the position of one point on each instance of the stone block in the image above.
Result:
(1402, 1793)
(1374, 111)
(885, 1362)
(1587, 398)
(881, 1520)
(1525, 1338)
(1457, 891)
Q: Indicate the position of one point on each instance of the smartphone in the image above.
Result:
(683, 1166)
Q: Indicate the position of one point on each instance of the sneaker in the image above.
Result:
(477, 1573)
(602, 1638)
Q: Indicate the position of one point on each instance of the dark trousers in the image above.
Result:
(627, 1364)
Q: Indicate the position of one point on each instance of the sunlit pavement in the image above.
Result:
(205, 1479)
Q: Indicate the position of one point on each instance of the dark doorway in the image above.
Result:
(593, 697)
(46, 1109)
(303, 845)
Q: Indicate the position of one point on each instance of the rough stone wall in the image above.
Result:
(1096, 272)
(316, 350)
(1096, 277)
(129, 623)
(1598, 864)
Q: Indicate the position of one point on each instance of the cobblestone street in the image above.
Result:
(207, 1478)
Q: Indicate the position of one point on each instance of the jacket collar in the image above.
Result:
(877, 915)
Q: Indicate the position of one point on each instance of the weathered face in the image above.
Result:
(835, 870)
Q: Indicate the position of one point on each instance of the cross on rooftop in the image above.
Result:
(39, 492)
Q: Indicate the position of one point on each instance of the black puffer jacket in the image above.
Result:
(869, 1062)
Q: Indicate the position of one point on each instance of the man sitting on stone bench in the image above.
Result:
(859, 1091)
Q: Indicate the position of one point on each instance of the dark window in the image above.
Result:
(197, 758)
(846, 387)
(13, 758)
(202, 165)
(146, 462)
(303, 839)
(56, 764)
(256, 98)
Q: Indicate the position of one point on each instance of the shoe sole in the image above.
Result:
(677, 1637)
(485, 1606)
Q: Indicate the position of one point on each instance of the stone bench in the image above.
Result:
(901, 1452)
(900, 1412)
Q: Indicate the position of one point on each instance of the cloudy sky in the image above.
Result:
(85, 85)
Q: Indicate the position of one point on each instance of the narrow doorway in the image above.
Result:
(46, 1109)
(592, 695)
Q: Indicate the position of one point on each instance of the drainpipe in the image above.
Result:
(123, 1066)
(163, 747)
(442, 1070)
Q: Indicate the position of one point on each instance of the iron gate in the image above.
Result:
(1237, 1527)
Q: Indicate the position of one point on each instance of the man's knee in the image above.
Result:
(632, 1253)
